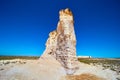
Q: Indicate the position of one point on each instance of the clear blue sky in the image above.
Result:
(25, 25)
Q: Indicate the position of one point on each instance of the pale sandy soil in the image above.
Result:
(43, 69)
(98, 71)
(50, 69)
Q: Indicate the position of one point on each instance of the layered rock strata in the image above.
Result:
(61, 43)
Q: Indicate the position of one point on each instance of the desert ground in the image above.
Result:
(50, 69)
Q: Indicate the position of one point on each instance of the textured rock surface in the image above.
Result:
(61, 43)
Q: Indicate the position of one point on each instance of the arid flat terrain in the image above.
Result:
(49, 68)
(107, 63)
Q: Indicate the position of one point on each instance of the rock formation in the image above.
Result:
(61, 43)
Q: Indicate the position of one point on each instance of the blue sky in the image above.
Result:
(25, 25)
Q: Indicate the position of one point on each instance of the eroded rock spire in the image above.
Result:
(61, 43)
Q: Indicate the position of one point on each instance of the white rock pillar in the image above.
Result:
(61, 43)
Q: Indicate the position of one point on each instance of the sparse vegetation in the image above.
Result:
(113, 64)
(18, 57)
(98, 60)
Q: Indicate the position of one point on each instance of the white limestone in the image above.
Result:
(61, 43)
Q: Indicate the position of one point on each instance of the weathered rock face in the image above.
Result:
(61, 43)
